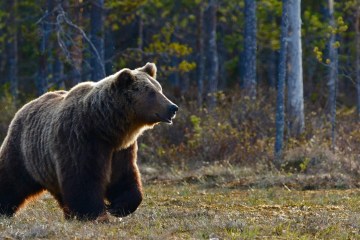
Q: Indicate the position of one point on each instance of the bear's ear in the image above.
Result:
(149, 68)
(124, 78)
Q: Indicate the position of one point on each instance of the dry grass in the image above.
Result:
(197, 211)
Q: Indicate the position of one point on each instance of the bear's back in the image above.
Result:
(30, 133)
(40, 107)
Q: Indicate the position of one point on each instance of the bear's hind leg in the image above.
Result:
(16, 184)
(14, 192)
(9, 202)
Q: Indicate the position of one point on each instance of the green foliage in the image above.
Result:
(3, 16)
(237, 130)
(269, 13)
(233, 42)
(186, 66)
(326, 31)
(172, 48)
(162, 44)
(125, 5)
(195, 136)
(318, 54)
(304, 165)
(169, 35)
(8, 109)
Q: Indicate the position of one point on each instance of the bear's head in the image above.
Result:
(144, 93)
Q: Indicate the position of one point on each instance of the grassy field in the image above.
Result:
(186, 210)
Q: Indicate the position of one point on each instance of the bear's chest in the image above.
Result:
(129, 138)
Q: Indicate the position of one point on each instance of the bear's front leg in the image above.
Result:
(125, 190)
(124, 200)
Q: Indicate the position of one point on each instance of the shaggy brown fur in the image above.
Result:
(81, 145)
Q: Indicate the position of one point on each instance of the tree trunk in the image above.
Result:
(45, 28)
(3, 59)
(250, 48)
(97, 38)
(77, 47)
(295, 100)
(333, 74)
(200, 55)
(222, 56)
(109, 50)
(213, 56)
(140, 40)
(58, 72)
(50, 56)
(12, 49)
(174, 77)
(272, 68)
(280, 115)
(3, 55)
(41, 79)
(357, 30)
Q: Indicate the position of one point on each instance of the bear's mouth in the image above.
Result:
(164, 119)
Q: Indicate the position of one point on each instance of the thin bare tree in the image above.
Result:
(97, 38)
(295, 96)
(12, 48)
(280, 111)
(357, 39)
(200, 56)
(250, 48)
(333, 72)
(212, 53)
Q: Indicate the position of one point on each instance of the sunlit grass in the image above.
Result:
(196, 211)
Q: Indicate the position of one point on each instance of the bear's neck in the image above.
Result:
(113, 122)
(129, 137)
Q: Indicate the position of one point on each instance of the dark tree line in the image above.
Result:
(201, 47)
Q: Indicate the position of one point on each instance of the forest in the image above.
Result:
(269, 110)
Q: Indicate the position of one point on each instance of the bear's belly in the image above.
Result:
(38, 158)
(42, 170)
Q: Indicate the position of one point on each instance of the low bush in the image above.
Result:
(240, 133)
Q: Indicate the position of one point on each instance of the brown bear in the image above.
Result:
(81, 145)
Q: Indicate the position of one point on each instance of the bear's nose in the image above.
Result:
(173, 108)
